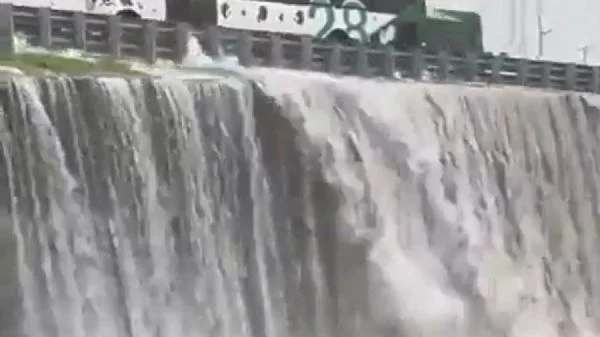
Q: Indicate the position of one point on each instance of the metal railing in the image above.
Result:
(149, 40)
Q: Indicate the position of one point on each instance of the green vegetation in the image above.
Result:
(44, 64)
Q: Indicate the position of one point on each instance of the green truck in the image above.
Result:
(439, 29)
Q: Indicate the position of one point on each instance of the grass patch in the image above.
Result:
(44, 64)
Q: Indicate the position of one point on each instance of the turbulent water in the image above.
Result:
(295, 205)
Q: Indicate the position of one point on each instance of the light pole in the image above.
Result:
(585, 50)
(541, 32)
(584, 53)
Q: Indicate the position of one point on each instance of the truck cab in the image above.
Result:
(456, 32)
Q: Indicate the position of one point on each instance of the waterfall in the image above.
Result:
(288, 204)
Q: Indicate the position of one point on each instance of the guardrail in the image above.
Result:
(150, 40)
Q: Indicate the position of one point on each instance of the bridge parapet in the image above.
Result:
(125, 38)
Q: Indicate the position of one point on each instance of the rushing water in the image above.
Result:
(296, 205)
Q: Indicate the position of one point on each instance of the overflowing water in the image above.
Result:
(195, 64)
(282, 204)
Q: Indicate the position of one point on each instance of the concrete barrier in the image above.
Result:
(151, 40)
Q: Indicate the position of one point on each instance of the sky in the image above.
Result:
(511, 26)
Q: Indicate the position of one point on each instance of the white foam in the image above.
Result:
(196, 63)
(448, 255)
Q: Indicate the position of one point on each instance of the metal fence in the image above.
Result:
(149, 40)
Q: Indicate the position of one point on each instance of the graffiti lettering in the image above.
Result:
(352, 27)
(299, 17)
(359, 27)
(262, 14)
(92, 4)
(324, 5)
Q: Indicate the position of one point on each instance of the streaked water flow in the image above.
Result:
(296, 205)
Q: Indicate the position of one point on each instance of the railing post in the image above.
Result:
(150, 35)
(79, 30)
(306, 52)
(7, 29)
(595, 82)
(276, 57)
(547, 75)
(244, 48)
(497, 63)
(443, 65)
(213, 41)
(334, 62)
(522, 71)
(114, 36)
(570, 76)
(362, 61)
(389, 62)
(182, 37)
(416, 63)
(471, 67)
(44, 17)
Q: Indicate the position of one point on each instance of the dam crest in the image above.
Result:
(288, 204)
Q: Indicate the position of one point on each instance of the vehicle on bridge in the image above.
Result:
(404, 24)
(146, 9)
